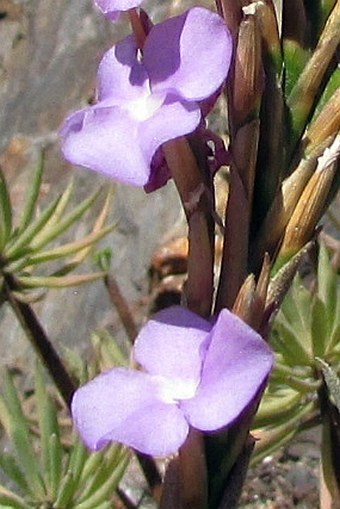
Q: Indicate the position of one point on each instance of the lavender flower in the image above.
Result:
(112, 8)
(196, 374)
(147, 98)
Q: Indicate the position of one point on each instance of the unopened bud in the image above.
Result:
(245, 160)
(248, 72)
(251, 298)
(230, 10)
(268, 25)
(285, 202)
(244, 301)
(326, 124)
(311, 205)
(324, 9)
(283, 278)
(294, 41)
(294, 21)
(302, 97)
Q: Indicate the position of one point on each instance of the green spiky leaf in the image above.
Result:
(58, 282)
(12, 469)
(66, 249)
(5, 212)
(52, 231)
(21, 243)
(16, 426)
(32, 195)
(51, 449)
(327, 282)
(9, 500)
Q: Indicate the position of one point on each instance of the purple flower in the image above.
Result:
(112, 8)
(147, 99)
(196, 374)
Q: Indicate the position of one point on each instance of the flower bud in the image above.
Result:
(243, 305)
(285, 203)
(294, 41)
(302, 97)
(324, 9)
(251, 298)
(245, 160)
(230, 10)
(248, 72)
(311, 205)
(326, 124)
(294, 21)
(268, 25)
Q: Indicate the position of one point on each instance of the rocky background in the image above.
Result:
(49, 51)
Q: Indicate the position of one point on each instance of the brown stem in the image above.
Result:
(137, 27)
(40, 341)
(151, 474)
(192, 465)
(121, 307)
(124, 502)
(235, 246)
(185, 485)
(230, 10)
(194, 193)
(182, 488)
(237, 476)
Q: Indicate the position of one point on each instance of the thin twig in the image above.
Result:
(40, 341)
(151, 474)
(125, 500)
(122, 307)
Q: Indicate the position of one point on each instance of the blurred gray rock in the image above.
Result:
(49, 52)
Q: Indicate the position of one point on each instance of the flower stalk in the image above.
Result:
(137, 27)
(198, 294)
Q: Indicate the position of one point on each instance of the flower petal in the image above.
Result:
(173, 344)
(236, 366)
(112, 8)
(125, 406)
(173, 119)
(120, 75)
(189, 53)
(97, 138)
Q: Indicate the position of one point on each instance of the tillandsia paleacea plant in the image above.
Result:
(276, 64)
(206, 363)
